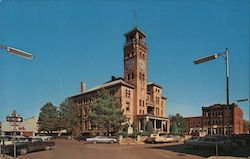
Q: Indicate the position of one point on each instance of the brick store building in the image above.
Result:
(140, 100)
(194, 125)
(215, 119)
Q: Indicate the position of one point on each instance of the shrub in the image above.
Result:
(123, 133)
(149, 127)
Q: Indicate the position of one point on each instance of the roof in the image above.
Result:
(219, 106)
(191, 117)
(154, 84)
(106, 85)
(134, 30)
(163, 97)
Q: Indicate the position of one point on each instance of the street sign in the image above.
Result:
(14, 119)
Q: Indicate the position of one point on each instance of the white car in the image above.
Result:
(101, 139)
(44, 137)
(161, 137)
(206, 142)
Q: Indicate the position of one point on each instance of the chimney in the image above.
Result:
(83, 87)
(112, 78)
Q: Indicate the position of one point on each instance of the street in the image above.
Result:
(70, 149)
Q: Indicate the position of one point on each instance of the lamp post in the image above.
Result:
(212, 57)
(17, 52)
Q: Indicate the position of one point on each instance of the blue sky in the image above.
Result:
(74, 41)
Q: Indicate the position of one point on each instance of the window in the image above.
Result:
(128, 76)
(127, 106)
(157, 100)
(132, 76)
(143, 103)
(127, 93)
(140, 102)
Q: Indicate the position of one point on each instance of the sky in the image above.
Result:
(74, 41)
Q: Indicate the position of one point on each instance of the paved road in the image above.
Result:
(66, 149)
(78, 150)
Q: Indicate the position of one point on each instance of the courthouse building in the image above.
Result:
(140, 100)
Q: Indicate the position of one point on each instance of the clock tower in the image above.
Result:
(135, 68)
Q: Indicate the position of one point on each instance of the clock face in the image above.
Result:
(129, 64)
(141, 64)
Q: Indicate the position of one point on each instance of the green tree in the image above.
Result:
(149, 127)
(48, 118)
(180, 123)
(68, 115)
(173, 128)
(105, 112)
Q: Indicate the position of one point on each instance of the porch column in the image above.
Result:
(162, 125)
(154, 124)
(139, 124)
(168, 126)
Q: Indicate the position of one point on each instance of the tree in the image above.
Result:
(149, 127)
(105, 112)
(48, 118)
(173, 128)
(69, 116)
(180, 123)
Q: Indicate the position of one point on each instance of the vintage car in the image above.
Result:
(206, 142)
(101, 139)
(44, 137)
(162, 137)
(27, 145)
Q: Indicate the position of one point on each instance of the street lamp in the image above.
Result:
(212, 57)
(17, 52)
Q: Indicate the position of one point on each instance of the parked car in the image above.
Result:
(44, 137)
(162, 137)
(84, 137)
(28, 145)
(101, 139)
(8, 140)
(206, 142)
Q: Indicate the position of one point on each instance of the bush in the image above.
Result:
(123, 133)
(145, 133)
(149, 127)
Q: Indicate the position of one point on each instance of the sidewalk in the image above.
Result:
(5, 157)
(226, 157)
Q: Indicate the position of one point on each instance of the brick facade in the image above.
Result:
(141, 101)
(214, 120)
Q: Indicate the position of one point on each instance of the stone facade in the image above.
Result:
(140, 100)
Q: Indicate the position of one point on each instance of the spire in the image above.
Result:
(135, 19)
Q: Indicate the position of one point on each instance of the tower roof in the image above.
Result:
(136, 29)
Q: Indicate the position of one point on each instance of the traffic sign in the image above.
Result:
(14, 119)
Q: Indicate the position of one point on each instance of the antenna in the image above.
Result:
(135, 18)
